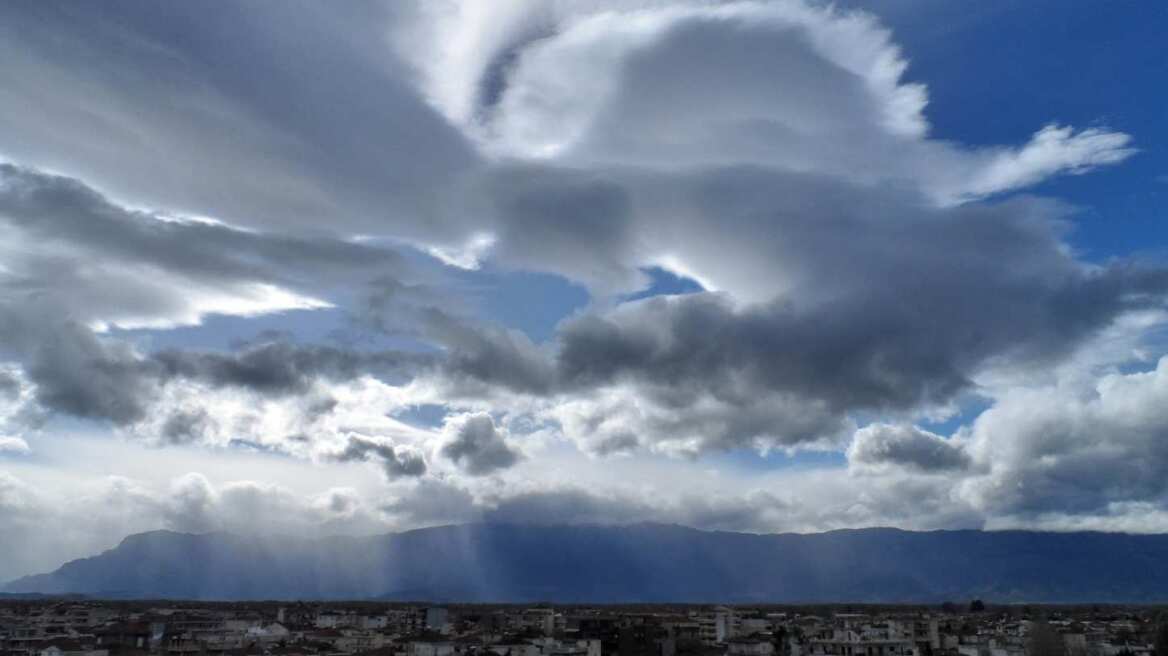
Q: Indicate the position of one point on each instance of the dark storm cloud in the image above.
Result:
(478, 447)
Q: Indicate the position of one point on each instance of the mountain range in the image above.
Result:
(625, 564)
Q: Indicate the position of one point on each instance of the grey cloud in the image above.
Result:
(9, 386)
(912, 304)
(478, 354)
(116, 87)
(282, 367)
(74, 259)
(320, 407)
(617, 443)
(658, 416)
(888, 303)
(396, 460)
(56, 225)
(342, 502)
(906, 446)
(841, 296)
(184, 426)
(478, 447)
(78, 374)
(847, 289)
(577, 224)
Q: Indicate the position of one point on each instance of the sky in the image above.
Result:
(303, 268)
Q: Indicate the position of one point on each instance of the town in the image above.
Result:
(82, 627)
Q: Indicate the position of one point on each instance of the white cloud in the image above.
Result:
(774, 151)
(779, 84)
(17, 445)
(1080, 447)
(476, 445)
(1052, 150)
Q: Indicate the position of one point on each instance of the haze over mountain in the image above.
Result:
(636, 563)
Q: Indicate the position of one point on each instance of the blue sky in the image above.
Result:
(996, 71)
(763, 265)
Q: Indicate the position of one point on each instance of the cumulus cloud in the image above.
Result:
(878, 445)
(477, 446)
(1086, 448)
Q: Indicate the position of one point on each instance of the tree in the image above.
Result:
(976, 606)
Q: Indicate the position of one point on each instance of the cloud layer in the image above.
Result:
(861, 280)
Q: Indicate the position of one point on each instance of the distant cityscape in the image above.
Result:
(72, 627)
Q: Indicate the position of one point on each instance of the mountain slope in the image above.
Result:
(646, 562)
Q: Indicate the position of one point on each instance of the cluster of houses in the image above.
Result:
(86, 628)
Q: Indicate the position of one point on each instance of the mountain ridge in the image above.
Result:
(646, 562)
